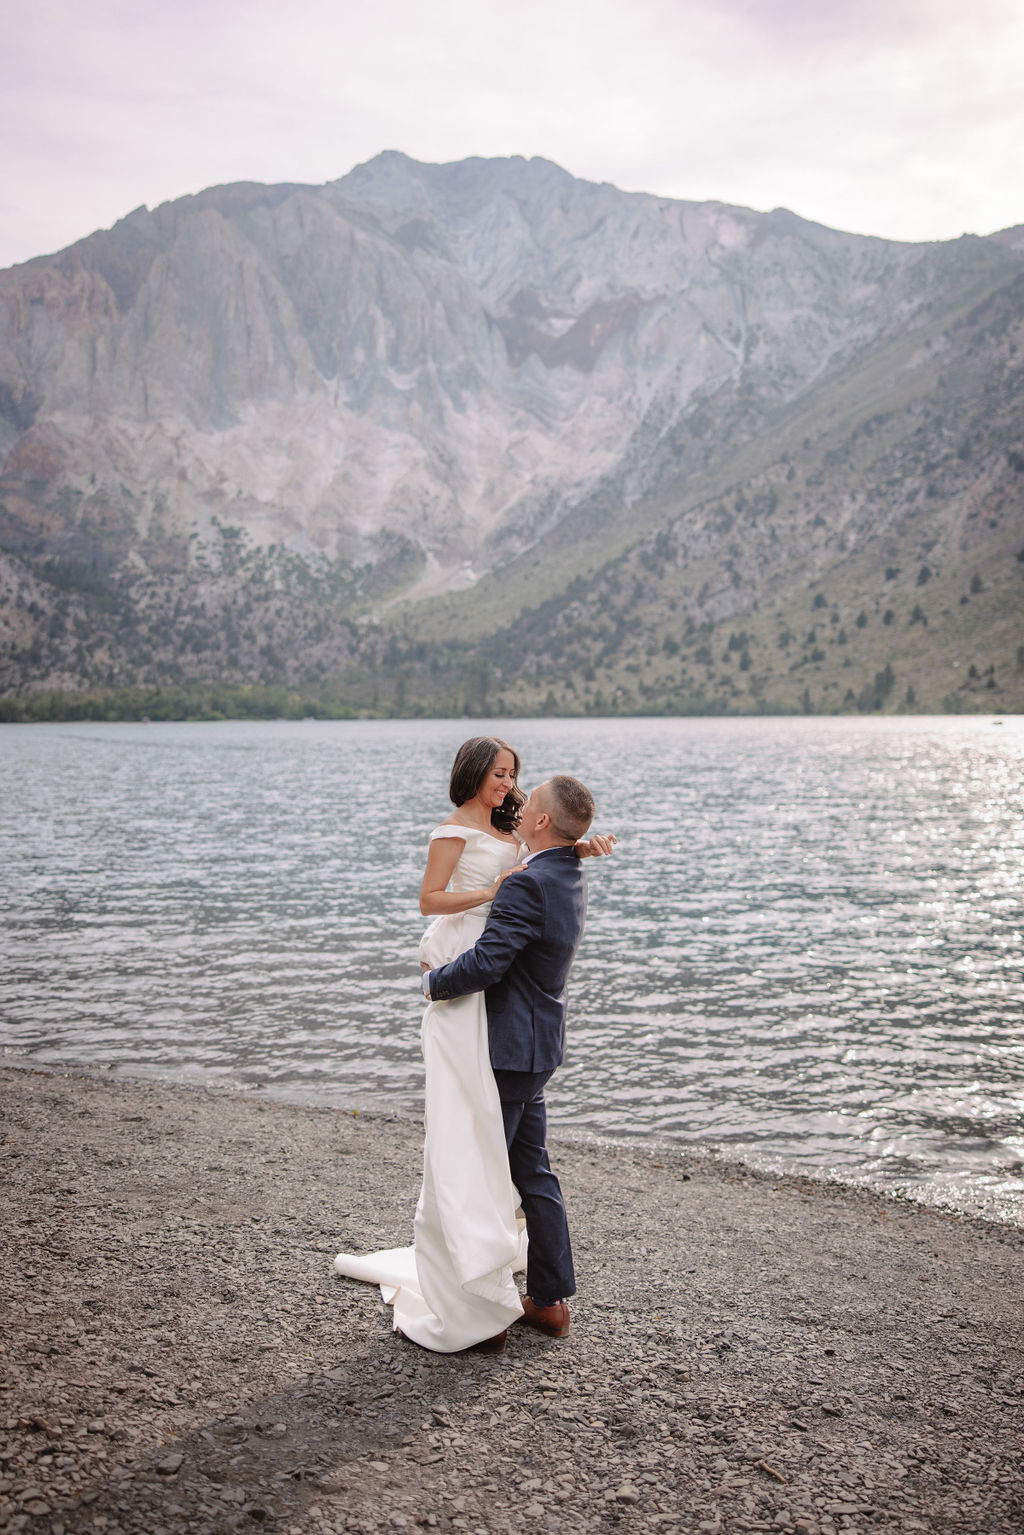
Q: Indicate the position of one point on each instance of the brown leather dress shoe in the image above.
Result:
(495, 1345)
(553, 1319)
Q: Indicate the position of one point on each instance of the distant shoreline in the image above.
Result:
(213, 702)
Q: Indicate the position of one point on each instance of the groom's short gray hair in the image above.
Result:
(570, 806)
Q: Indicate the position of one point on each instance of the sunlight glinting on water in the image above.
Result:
(809, 947)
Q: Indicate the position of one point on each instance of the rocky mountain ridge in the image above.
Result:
(275, 409)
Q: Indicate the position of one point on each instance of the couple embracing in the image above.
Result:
(506, 889)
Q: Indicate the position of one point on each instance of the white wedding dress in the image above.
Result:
(454, 1286)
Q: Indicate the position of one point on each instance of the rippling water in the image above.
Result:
(808, 950)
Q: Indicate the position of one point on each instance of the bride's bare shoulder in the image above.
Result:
(450, 828)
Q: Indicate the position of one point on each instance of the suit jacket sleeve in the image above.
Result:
(516, 918)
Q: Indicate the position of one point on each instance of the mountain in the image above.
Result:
(483, 436)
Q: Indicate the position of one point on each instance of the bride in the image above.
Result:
(453, 1289)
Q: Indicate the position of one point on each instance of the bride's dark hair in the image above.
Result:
(473, 761)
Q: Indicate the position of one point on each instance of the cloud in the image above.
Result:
(895, 118)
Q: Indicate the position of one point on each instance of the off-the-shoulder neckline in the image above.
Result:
(460, 826)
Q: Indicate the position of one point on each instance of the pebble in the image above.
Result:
(626, 1494)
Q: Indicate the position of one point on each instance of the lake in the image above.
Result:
(807, 951)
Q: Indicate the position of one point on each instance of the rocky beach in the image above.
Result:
(748, 1352)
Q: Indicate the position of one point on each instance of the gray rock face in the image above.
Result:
(455, 355)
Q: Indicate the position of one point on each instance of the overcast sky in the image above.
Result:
(902, 118)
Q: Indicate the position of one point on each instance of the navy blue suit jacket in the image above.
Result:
(521, 961)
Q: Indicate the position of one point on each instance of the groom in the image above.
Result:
(521, 962)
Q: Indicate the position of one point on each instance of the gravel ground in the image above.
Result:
(747, 1352)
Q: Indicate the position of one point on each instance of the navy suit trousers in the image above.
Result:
(549, 1270)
